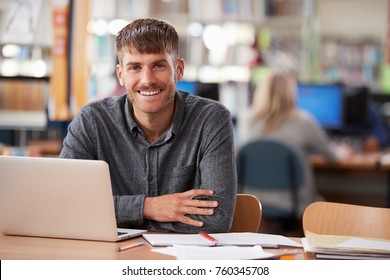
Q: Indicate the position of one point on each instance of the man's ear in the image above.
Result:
(118, 70)
(179, 69)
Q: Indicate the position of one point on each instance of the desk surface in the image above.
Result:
(36, 248)
(370, 162)
(360, 161)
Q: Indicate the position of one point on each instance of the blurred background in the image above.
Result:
(58, 55)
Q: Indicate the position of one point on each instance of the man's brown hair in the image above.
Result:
(148, 36)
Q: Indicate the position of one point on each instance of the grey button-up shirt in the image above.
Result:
(196, 152)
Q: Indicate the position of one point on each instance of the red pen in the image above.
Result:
(209, 237)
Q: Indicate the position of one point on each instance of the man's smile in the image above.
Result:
(149, 92)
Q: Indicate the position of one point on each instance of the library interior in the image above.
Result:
(57, 56)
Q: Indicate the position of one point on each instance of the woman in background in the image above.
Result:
(274, 114)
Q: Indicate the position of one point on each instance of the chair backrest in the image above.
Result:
(332, 218)
(270, 164)
(247, 216)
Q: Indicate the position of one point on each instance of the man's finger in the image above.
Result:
(188, 221)
(203, 203)
(199, 192)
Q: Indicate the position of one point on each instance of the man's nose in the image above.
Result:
(148, 76)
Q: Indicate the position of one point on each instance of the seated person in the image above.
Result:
(274, 114)
(171, 154)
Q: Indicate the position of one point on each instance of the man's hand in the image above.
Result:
(175, 207)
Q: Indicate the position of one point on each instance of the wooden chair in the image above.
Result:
(247, 215)
(346, 219)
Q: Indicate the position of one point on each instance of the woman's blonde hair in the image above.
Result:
(274, 100)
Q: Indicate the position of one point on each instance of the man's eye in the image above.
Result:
(159, 66)
(134, 68)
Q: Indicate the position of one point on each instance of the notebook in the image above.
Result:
(221, 239)
(60, 198)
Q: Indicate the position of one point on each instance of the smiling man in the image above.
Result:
(170, 153)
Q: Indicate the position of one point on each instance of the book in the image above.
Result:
(345, 247)
(221, 239)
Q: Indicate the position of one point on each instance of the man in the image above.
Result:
(170, 153)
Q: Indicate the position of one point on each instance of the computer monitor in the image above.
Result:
(324, 102)
(356, 109)
(189, 86)
(207, 90)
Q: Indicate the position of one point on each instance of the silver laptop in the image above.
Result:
(60, 198)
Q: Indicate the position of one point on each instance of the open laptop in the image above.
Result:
(60, 198)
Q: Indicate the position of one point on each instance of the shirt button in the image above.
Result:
(150, 178)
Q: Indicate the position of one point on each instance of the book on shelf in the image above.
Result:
(345, 247)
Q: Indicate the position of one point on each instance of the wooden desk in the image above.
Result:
(20, 247)
(385, 166)
(360, 161)
(36, 248)
(369, 162)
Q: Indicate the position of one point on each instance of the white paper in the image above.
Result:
(176, 239)
(170, 251)
(250, 238)
(362, 243)
(220, 253)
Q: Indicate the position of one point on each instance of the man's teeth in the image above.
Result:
(149, 93)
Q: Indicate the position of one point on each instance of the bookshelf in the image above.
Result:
(25, 75)
(23, 102)
(250, 36)
(222, 41)
(353, 50)
(355, 62)
(219, 39)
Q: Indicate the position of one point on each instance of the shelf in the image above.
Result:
(25, 78)
(284, 22)
(46, 147)
(23, 120)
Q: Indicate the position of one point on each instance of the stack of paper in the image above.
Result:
(346, 247)
(220, 246)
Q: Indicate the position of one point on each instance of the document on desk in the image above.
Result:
(385, 159)
(189, 252)
(221, 239)
(346, 247)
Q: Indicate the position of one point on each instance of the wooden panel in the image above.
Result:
(79, 59)
(58, 105)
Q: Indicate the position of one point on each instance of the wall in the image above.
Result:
(353, 18)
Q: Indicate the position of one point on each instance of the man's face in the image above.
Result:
(150, 81)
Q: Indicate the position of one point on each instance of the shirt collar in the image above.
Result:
(176, 122)
(129, 118)
(178, 115)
